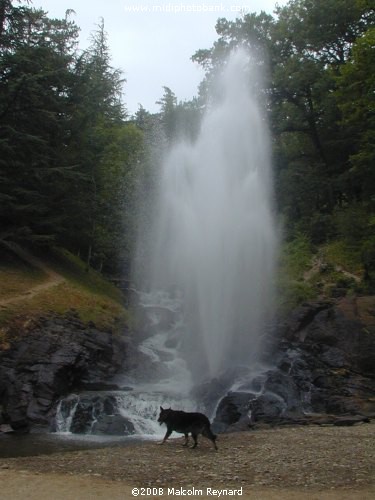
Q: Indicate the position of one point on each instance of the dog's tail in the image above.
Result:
(207, 432)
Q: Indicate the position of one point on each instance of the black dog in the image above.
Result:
(180, 421)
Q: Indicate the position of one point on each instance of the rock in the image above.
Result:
(345, 421)
(100, 386)
(92, 413)
(5, 429)
(323, 364)
(337, 292)
(151, 318)
(232, 408)
(267, 407)
(114, 425)
(57, 355)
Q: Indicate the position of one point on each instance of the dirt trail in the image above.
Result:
(318, 262)
(53, 278)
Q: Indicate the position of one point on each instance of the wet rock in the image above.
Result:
(267, 407)
(100, 386)
(114, 425)
(57, 355)
(151, 319)
(323, 364)
(232, 408)
(209, 393)
(92, 413)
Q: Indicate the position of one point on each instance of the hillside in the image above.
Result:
(319, 272)
(36, 283)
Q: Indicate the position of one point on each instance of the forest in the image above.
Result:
(77, 171)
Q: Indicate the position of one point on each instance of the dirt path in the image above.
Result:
(316, 265)
(312, 463)
(53, 278)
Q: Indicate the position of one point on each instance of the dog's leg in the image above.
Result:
(195, 437)
(186, 439)
(210, 435)
(214, 441)
(167, 434)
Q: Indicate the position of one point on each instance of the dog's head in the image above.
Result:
(164, 414)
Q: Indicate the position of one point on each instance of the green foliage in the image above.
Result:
(69, 159)
(356, 100)
(293, 293)
(338, 253)
(82, 290)
(368, 258)
(295, 260)
(296, 257)
(178, 119)
(73, 168)
(318, 61)
(36, 55)
(74, 270)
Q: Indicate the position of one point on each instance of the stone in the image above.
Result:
(232, 408)
(55, 356)
(114, 425)
(324, 364)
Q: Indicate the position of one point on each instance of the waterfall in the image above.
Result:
(215, 231)
(212, 267)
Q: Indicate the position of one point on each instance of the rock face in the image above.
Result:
(53, 357)
(320, 369)
(92, 413)
(323, 364)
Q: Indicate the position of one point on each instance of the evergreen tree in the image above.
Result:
(36, 56)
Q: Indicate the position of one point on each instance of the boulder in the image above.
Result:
(324, 364)
(54, 356)
(92, 413)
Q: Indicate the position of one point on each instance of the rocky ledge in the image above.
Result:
(54, 356)
(324, 371)
(320, 363)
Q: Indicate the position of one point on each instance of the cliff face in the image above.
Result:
(52, 357)
(324, 369)
(322, 360)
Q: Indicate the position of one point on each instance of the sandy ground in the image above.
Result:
(312, 463)
(26, 485)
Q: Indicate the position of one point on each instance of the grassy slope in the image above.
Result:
(94, 298)
(307, 272)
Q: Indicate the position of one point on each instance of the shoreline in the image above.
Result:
(282, 463)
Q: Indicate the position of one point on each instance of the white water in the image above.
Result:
(216, 235)
(160, 378)
(213, 260)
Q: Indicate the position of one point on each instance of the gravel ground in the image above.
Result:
(291, 463)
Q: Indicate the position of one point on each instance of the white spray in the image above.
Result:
(216, 235)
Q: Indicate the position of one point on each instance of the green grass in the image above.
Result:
(296, 257)
(73, 269)
(306, 273)
(338, 253)
(16, 275)
(292, 289)
(86, 291)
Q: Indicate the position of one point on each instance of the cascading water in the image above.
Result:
(216, 234)
(212, 265)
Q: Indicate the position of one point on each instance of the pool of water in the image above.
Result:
(26, 445)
